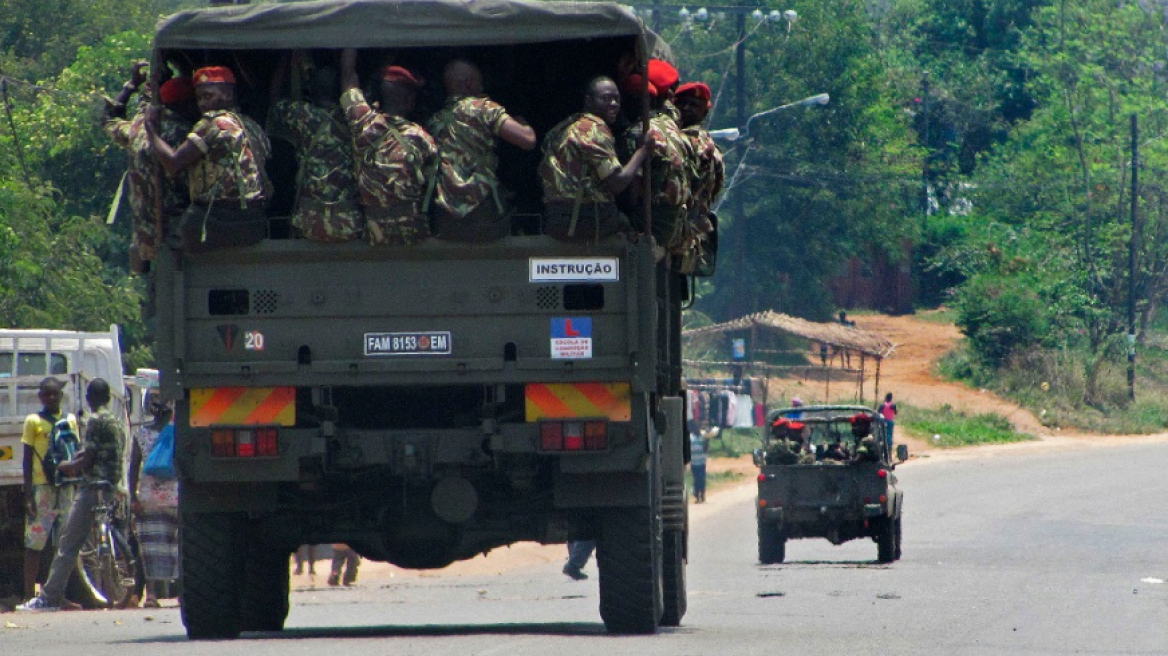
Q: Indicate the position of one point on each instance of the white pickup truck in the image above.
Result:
(26, 358)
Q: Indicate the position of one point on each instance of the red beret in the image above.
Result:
(699, 89)
(400, 75)
(176, 90)
(634, 84)
(662, 74)
(214, 75)
(780, 421)
(796, 425)
(861, 418)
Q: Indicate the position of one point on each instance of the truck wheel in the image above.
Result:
(212, 574)
(628, 556)
(673, 577)
(896, 532)
(772, 544)
(886, 541)
(264, 604)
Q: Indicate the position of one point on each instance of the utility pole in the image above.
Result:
(740, 238)
(928, 152)
(1131, 261)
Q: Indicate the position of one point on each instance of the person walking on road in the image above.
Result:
(888, 411)
(698, 447)
(579, 551)
(154, 501)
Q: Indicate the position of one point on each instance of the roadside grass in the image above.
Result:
(939, 315)
(713, 479)
(946, 427)
(734, 442)
(1050, 383)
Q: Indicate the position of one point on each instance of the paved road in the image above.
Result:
(1048, 553)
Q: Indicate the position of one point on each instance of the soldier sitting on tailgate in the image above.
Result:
(468, 203)
(327, 207)
(224, 155)
(581, 173)
(787, 445)
(395, 157)
(867, 449)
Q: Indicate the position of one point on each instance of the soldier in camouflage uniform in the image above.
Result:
(224, 156)
(580, 171)
(327, 206)
(99, 463)
(671, 163)
(693, 102)
(144, 185)
(469, 204)
(395, 157)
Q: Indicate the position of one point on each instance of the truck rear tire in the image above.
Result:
(628, 556)
(772, 544)
(264, 604)
(673, 577)
(212, 574)
(886, 541)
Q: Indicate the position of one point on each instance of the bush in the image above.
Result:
(1000, 316)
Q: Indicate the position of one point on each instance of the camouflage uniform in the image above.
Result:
(579, 154)
(105, 437)
(327, 207)
(235, 150)
(709, 168)
(465, 131)
(868, 450)
(229, 186)
(788, 452)
(131, 135)
(671, 172)
(394, 159)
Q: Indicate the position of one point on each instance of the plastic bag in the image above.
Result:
(160, 462)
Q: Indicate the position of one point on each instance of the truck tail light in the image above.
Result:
(880, 473)
(573, 435)
(258, 442)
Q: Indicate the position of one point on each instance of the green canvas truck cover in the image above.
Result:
(400, 24)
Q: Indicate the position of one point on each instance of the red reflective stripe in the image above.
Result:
(549, 403)
(271, 407)
(220, 402)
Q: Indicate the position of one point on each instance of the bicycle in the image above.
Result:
(106, 561)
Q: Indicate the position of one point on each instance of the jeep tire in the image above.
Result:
(673, 561)
(772, 544)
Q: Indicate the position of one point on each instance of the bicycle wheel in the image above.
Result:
(107, 565)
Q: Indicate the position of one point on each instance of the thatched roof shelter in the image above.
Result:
(834, 334)
(841, 338)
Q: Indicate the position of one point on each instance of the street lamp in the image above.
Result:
(734, 134)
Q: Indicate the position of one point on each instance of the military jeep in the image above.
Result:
(808, 489)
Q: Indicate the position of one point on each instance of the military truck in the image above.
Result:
(26, 358)
(815, 492)
(425, 404)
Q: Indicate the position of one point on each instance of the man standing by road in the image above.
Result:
(581, 173)
(395, 156)
(99, 463)
(225, 155)
(45, 502)
(469, 204)
(888, 411)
